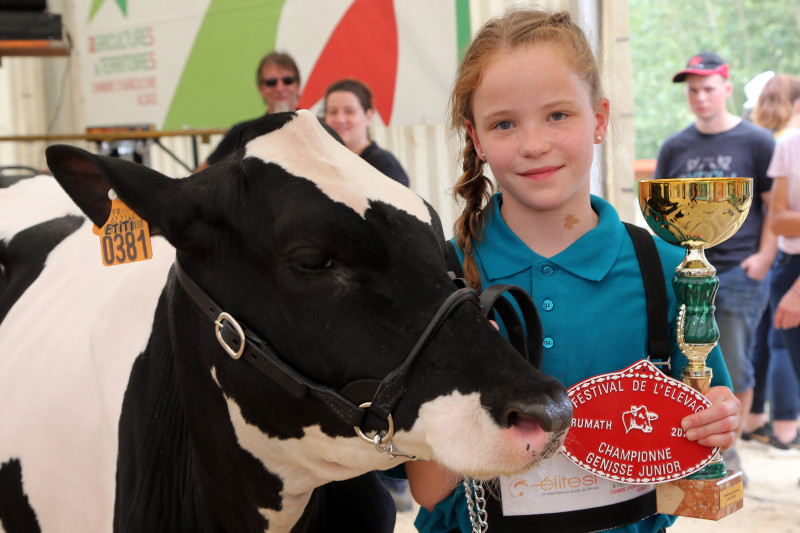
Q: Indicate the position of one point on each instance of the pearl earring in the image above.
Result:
(599, 138)
(484, 156)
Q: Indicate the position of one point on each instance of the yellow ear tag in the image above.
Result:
(125, 237)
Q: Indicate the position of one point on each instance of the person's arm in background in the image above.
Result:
(757, 265)
(225, 146)
(785, 222)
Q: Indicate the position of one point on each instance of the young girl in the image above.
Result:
(348, 110)
(528, 99)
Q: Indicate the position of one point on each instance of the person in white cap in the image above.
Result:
(753, 88)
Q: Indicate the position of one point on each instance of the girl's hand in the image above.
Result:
(718, 425)
(787, 315)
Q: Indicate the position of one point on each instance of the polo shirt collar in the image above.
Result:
(591, 257)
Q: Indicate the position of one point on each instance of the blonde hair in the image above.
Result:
(516, 28)
(775, 106)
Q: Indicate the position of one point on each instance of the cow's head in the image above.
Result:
(340, 269)
(638, 418)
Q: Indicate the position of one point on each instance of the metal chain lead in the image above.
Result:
(476, 505)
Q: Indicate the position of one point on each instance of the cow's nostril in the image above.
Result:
(551, 417)
(523, 422)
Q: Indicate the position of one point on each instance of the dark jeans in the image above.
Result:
(785, 272)
(775, 378)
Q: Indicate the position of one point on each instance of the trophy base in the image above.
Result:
(710, 499)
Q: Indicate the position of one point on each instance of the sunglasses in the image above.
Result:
(272, 82)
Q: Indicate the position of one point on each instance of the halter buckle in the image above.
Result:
(218, 325)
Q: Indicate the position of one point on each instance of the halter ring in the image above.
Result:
(386, 438)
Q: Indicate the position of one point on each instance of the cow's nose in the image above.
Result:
(553, 417)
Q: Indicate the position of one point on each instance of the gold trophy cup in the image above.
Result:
(697, 213)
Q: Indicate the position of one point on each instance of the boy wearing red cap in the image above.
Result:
(721, 144)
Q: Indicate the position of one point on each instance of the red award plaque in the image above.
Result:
(626, 426)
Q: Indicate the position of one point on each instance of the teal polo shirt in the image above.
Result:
(590, 297)
(591, 301)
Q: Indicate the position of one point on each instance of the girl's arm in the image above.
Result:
(785, 221)
(430, 482)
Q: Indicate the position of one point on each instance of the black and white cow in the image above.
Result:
(122, 410)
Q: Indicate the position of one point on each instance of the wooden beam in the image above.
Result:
(34, 47)
(116, 134)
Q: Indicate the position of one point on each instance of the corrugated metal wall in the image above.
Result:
(42, 96)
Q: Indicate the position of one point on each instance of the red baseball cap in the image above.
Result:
(704, 64)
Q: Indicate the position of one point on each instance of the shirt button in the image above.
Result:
(547, 342)
(548, 270)
(547, 305)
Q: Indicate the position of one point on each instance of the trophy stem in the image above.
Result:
(695, 285)
(695, 264)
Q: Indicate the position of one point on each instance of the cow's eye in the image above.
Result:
(312, 262)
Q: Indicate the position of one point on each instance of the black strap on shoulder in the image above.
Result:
(655, 292)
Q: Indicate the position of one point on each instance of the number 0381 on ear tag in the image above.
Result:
(125, 237)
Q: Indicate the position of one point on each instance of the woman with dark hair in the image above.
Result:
(348, 110)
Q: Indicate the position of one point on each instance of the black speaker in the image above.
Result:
(22, 5)
(29, 25)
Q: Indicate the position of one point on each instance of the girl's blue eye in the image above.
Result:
(558, 115)
(504, 125)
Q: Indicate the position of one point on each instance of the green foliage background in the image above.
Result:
(751, 35)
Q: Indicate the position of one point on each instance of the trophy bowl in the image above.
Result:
(695, 212)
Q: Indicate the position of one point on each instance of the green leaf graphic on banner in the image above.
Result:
(463, 29)
(218, 84)
(96, 4)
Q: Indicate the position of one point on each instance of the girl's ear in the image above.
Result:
(475, 141)
(601, 116)
(369, 113)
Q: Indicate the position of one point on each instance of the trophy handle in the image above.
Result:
(681, 322)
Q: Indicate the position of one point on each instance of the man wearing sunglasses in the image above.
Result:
(278, 83)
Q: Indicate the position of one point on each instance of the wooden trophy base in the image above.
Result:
(710, 499)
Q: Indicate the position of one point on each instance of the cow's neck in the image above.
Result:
(177, 459)
(283, 472)
(231, 484)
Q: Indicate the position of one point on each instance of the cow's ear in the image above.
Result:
(87, 179)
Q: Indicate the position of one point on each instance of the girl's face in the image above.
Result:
(343, 113)
(537, 125)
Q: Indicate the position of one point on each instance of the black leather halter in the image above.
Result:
(242, 343)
